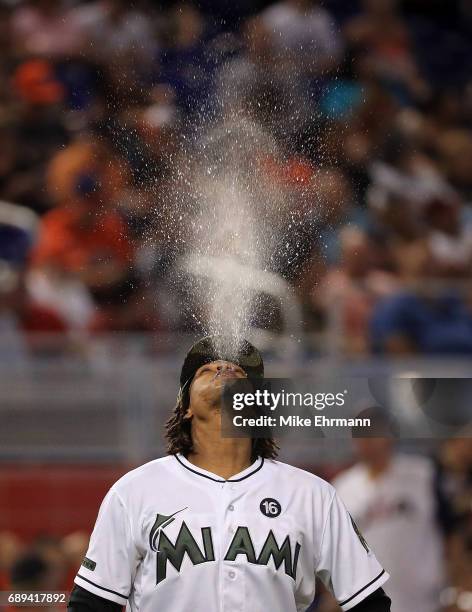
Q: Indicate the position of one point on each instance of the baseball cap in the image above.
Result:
(208, 349)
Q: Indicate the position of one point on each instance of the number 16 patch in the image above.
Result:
(270, 507)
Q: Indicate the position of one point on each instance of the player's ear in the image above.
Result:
(186, 400)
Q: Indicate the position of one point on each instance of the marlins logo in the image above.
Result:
(241, 544)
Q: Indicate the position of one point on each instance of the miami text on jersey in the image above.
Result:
(241, 544)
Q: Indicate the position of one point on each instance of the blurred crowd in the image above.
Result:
(370, 102)
(47, 564)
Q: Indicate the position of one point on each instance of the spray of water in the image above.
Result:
(233, 222)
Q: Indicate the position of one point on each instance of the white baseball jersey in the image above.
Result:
(396, 513)
(173, 537)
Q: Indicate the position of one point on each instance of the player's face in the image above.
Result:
(205, 390)
(374, 450)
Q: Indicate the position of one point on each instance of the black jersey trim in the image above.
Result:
(102, 588)
(343, 603)
(216, 479)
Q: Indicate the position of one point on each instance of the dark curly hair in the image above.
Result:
(179, 435)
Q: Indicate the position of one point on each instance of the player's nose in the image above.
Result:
(226, 367)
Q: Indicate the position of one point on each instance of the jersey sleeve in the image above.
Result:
(346, 564)
(110, 564)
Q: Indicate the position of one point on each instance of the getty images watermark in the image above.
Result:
(347, 407)
(269, 401)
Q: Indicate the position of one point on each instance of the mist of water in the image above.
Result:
(234, 215)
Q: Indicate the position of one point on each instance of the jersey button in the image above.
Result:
(232, 575)
(231, 507)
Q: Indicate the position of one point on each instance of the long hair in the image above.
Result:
(179, 434)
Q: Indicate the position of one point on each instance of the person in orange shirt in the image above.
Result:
(84, 236)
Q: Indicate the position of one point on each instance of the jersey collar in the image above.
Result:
(252, 469)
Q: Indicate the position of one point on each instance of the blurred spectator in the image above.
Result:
(350, 291)
(238, 79)
(115, 32)
(46, 563)
(46, 28)
(455, 149)
(35, 83)
(187, 60)
(304, 36)
(120, 44)
(450, 238)
(382, 35)
(392, 500)
(423, 321)
(51, 551)
(29, 573)
(454, 480)
(65, 294)
(84, 236)
(454, 489)
(253, 86)
(35, 131)
(319, 205)
(10, 549)
(18, 227)
(24, 323)
(74, 547)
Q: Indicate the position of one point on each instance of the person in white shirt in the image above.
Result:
(219, 525)
(391, 498)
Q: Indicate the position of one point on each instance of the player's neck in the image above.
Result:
(224, 457)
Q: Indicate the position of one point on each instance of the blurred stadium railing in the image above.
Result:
(109, 399)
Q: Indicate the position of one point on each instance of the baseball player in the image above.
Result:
(219, 525)
(391, 497)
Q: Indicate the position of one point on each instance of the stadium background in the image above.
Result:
(371, 103)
